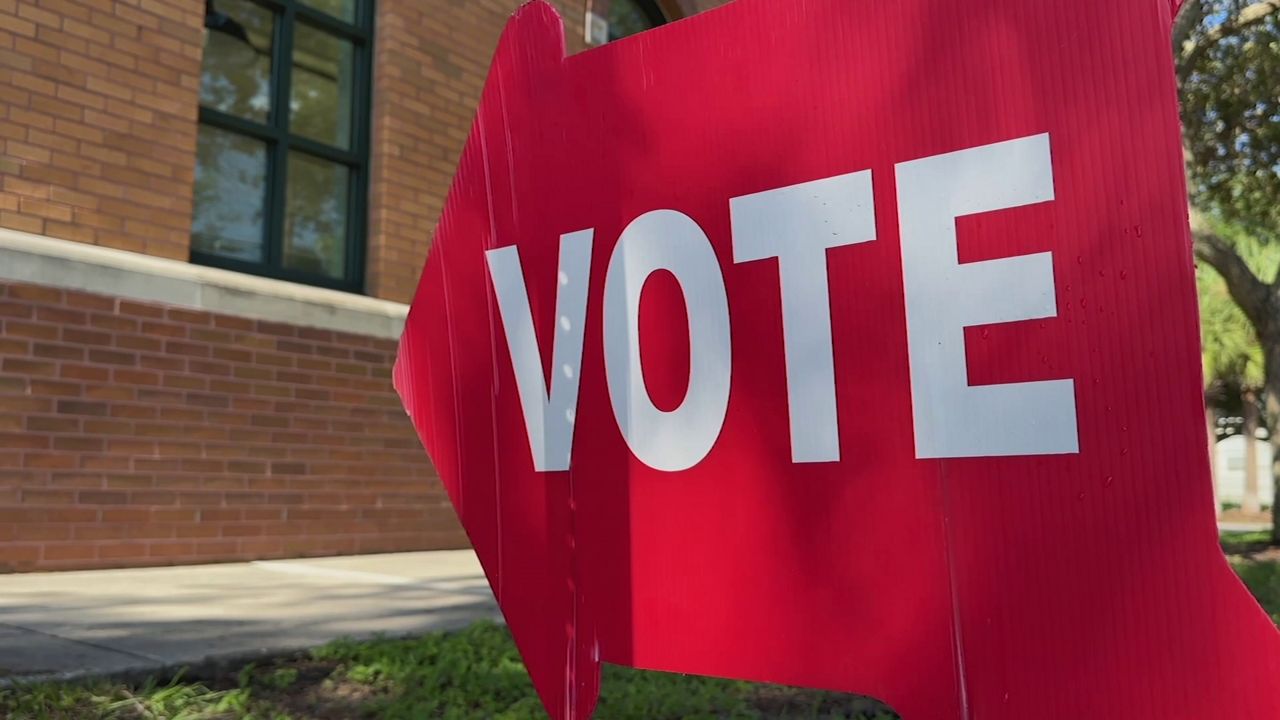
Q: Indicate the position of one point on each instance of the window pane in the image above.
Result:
(236, 76)
(341, 9)
(231, 176)
(320, 94)
(315, 223)
(626, 17)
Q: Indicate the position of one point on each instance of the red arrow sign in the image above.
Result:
(841, 344)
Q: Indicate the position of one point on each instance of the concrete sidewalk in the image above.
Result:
(72, 624)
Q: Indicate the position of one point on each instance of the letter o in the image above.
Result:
(681, 438)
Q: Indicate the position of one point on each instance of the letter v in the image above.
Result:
(548, 413)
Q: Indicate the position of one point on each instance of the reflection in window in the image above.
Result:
(315, 221)
(628, 17)
(231, 181)
(283, 155)
(320, 94)
(237, 59)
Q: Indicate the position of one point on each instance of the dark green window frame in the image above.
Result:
(279, 141)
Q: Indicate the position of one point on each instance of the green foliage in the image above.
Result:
(101, 700)
(472, 674)
(1230, 345)
(1230, 70)
(1263, 579)
(1238, 542)
(477, 673)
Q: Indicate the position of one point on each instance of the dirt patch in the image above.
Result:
(302, 687)
(1236, 515)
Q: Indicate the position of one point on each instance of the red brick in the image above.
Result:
(233, 323)
(23, 366)
(42, 532)
(129, 307)
(138, 342)
(84, 372)
(104, 463)
(126, 516)
(136, 377)
(61, 316)
(189, 349)
(36, 423)
(72, 551)
(36, 293)
(47, 497)
(49, 460)
(108, 427)
(162, 362)
(110, 392)
(88, 301)
(55, 388)
(170, 549)
(57, 352)
(197, 530)
(122, 551)
(217, 548)
(274, 328)
(115, 323)
(76, 407)
(80, 336)
(101, 532)
(153, 498)
(79, 444)
(16, 328)
(113, 357)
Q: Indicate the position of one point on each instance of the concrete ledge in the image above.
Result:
(76, 266)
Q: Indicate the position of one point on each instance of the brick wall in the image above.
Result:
(137, 434)
(98, 102)
(431, 59)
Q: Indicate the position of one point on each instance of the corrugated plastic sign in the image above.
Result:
(843, 344)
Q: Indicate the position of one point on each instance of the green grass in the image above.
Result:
(1239, 542)
(474, 674)
(1263, 579)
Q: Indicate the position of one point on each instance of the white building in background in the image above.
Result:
(1228, 471)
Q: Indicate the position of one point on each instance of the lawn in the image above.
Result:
(473, 674)
(1258, 564)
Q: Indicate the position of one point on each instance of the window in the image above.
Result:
(628, 17)
(282, 158)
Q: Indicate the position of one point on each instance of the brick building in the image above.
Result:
(212, 214)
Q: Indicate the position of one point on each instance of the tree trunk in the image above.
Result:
(1251, 504)
(1274, 441)
(1211, 424)
(1271, 399)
